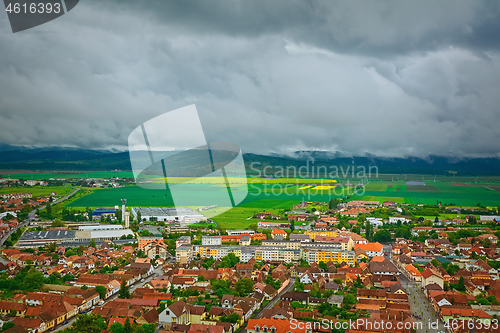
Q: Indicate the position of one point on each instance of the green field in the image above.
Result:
(446, 192)
(277, 195)
(37, 191)
(45, 176)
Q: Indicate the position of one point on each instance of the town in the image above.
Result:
(319, 265)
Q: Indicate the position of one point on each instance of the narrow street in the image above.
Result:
(420, 307)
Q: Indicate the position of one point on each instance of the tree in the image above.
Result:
(102, 291)
(333, 203)
(127, 328)
(51, 247)
(48, 209)
(118, 215)
(229, 261)
(116, 328)
(13, 313)
(57, 223)
(383, 236)
(92, 243)
(487, 243)
(244, 286)
(295, 305)
(368, 230)
(124, 290)
(87, 324)
(232, 318)
(350, 299)
(323, 266)
(7, 325)
(139, 216)
(461, 284)
(145, 328)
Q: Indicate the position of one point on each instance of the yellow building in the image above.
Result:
(326, 255)
(183, 254)
(289, 245)
(314, 233)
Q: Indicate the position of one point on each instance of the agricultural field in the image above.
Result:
(277, 195)
(462, 194)
(64, 175)
(37, 191)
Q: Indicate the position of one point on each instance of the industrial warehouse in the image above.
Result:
(183, 215)
(84, 234)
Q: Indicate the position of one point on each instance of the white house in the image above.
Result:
(375, 222)
(306, 278)
(176, 313)
(395, 219)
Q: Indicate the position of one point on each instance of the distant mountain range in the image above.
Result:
(74, 159)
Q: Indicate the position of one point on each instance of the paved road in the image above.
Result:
(66, 197)
(421, 307)
(275, 300)
(419, 304)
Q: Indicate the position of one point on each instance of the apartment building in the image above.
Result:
(290, 245)
(316, 255)
(277, 254)
(321, 232)
(183, 254)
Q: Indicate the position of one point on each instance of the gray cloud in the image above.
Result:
(388, 78)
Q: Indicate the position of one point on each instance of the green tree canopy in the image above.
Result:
(229, 261)
(116, 328)
(102, 291)
(124, 290)
(382, 236)
(87, 324)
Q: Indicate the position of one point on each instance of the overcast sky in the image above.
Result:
(391, 78)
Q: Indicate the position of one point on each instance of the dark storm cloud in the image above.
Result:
(390, 78)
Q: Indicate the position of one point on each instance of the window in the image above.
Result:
(257, 329)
